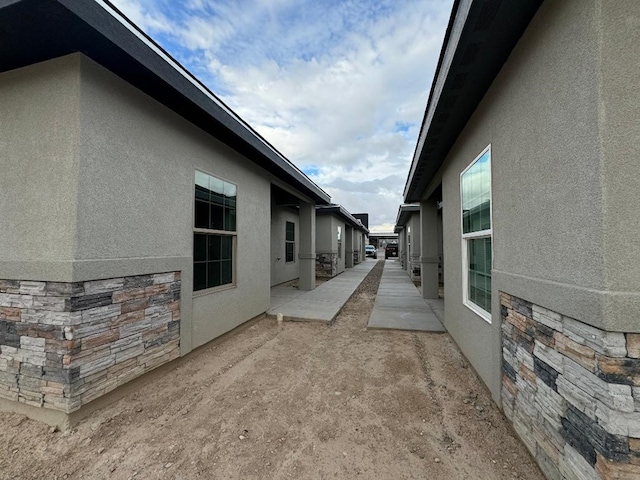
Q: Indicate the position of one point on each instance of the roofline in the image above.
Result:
(342, 212)
(403, 213)
(479, 39)
(127, 22)
(120, 38)
(445, 42)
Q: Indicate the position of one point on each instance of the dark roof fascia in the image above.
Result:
(340, 211)
(32, 31)
(480, 37)
(404, 213)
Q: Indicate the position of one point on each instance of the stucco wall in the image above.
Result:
(619, 112)
(541, 118)
(282, 271)
(327, 238)
(135, 196)
(339, 223)
(413, 255)
(39, 128)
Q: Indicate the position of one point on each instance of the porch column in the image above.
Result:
(402, 249)
(307, 252)
(348, 249)
(429, 248)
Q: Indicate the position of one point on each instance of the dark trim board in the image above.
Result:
(479, 39)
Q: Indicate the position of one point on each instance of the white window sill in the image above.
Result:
(486, 316)
(208, 291)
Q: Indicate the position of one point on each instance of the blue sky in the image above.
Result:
(338, 86)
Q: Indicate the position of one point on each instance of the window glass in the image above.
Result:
(214, 247)
(291, 232)
(215, 203)
(476, 195)
(199, 276)
(199, 247)
(290, 245)
(213, 253)
(480, 272)
(475, 185)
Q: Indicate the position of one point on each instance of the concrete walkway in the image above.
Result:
(399, 304)
(324, 302)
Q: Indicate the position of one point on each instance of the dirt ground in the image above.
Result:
(301, 401)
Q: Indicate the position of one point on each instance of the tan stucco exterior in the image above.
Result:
(281, 270)
(562, 135)
(39, 135)
(98, 182)
(327, 238)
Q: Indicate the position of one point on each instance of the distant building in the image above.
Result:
(364, 218)
(340, 240)
(380, 240)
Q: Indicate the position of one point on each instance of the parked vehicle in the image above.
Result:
(391, 250)
(370, 251)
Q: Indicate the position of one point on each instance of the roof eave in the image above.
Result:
(33, 31)
(480, 37)
(342, 212)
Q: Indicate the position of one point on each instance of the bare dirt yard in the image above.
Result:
(301, 401)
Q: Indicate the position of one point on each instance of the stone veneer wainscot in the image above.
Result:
(572, 392)
(326, 264)
(65, 344)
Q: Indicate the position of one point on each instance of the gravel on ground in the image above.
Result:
(296, 400)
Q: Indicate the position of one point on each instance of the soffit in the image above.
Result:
(480, 36)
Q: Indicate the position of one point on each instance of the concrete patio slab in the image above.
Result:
(399, 304)
(398, 319)
(321, 304)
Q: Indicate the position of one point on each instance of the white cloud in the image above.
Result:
(340, 88)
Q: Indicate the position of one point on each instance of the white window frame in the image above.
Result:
(488, 233)
(229, 233)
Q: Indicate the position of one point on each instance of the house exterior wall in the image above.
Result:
(358, 246)
(109, 198)
(65, 344)
(562, 133)
(413, 250)
(619, 110)
(329, 262)
(554, 242)
(402, 248)
(281, 270)
(440, 248)
(146, 180)
(339, 223)
(38, 142)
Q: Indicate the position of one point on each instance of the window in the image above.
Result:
(475, 188)
(214, 233)
(290, 242)
(339, 242)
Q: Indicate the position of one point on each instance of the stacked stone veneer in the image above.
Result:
(65, 344)
(414, 267)
(326, 264)
(572, 392)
